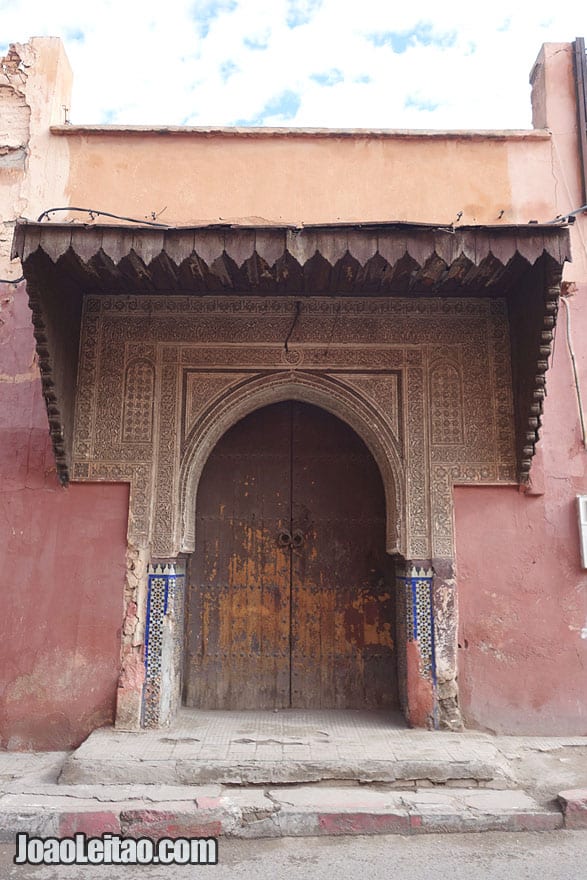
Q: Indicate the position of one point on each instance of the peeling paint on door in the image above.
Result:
(290, 602)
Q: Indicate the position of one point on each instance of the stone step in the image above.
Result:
(411, 773)
(160, 758)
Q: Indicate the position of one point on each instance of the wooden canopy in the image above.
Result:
(371, 258)
(64, 262)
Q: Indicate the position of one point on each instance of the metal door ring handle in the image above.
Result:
(298, 538)
(284, 538)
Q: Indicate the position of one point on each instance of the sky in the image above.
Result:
(299, 63)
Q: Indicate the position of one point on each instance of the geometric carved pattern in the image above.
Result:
(324, 391)
(417, 466)
(383, 390)
(501, 378)
(425, 382)
(166, 473)
(434, 374)
(446, 416)
(201, 389)
(139, 388)
(324, 272)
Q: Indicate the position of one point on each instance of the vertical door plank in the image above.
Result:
(238, 626)
(342, 597)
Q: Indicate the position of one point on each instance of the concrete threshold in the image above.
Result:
(268, 748)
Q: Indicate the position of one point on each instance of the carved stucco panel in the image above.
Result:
(201, 389)
(501, 378)
(383, 390)
(138, 401)
(446, 402)
(418, 506)
(309, 356)
(87, 384)
(435, 373)
(165, 512)
(321, 390)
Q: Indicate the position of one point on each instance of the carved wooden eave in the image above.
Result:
(64, 262)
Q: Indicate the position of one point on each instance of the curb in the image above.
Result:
(298, 812)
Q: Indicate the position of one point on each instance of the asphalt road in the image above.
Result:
(560, 855)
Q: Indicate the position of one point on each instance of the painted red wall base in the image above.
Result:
(62, 561)
(522, 607)
(61, 610)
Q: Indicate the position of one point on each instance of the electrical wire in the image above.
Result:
(295, 320)
(563, 218)
(93, 212)
(575, 373)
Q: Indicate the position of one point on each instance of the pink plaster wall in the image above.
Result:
(311, 178)
(523, 604)
(62, 558)
(522, 591)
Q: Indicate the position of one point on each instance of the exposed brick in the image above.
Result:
(363, 823)
(92, 824)
(574, 804)
(537, 821)
(159, 823)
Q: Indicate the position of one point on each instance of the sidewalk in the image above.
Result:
(294, 774)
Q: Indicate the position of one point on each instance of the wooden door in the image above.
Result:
(290, 603)
(342, 597)
(238, 612)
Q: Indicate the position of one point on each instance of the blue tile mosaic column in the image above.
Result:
(163, 643)
(415, 639)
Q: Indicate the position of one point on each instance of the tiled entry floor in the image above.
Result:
(283, 747)
(287, 734)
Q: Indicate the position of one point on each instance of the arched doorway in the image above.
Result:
(290, 600)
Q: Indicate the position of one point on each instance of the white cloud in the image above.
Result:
(214, 62)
